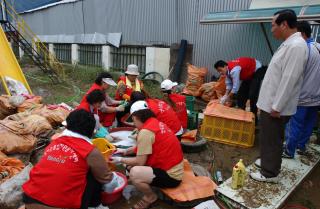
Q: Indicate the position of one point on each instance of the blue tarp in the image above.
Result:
(24, 5)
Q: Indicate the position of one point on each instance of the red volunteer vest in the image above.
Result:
(166, 149)
(164, 113)
(59, 179)
(247, 64)
(106, 119)
(181, 108)
(128, 89)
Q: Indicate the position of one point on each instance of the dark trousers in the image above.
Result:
(119, 115)
(249, 89)
(91, 196)
(271, 137)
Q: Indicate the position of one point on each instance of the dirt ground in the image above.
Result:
(216, 157)
(225, 156)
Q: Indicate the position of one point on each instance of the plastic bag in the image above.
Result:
(55, 114)
(11, 190)
(16, 101)
(195, 79)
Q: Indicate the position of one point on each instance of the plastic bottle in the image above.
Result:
(238, 175)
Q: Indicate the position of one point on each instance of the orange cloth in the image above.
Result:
(215, 109)
(192, 187)
(189, 136)
(11, 165)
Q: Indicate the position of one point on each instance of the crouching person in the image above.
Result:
(159, 158)
(71, 171)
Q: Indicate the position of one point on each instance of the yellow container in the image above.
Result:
(105, 147)
(228, 131)
(239, 175)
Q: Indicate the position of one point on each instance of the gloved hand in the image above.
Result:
(134, 134)
(109, 187)
(116, 160)
(224, 99)
(109, 137)
(120, 108)
(121, 151)
(123, 102)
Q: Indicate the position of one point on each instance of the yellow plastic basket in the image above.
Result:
(228, 131)
(105, 147)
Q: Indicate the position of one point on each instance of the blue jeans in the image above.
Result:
(299, 128)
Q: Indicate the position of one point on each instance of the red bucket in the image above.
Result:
(109, 198)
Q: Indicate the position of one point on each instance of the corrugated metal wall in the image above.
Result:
(146, 22)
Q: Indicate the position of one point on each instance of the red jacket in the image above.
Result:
(247, 64)
(181, 108)
(59, 179)
(164, 113)
(166, 149)
(106, 119)
(128, 90)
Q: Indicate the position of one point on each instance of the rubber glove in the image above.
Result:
(224, 99)
(120, 108)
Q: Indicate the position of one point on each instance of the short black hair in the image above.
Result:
(143, 115)
(287, 15)
(95, 96)
(137, 96)
(304, 27)
(81, 122)
(101, 76)
(220, 63)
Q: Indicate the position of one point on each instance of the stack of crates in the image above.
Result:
(228, 131)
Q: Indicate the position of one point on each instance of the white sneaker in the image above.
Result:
(99, 207)
(257, 163)
(259, 177)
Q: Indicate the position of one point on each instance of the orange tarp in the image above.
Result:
(215, 109)
(192, 187)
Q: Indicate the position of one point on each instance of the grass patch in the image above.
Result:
(78, 80)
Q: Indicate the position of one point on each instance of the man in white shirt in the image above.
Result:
(279, 94)
(243, 79)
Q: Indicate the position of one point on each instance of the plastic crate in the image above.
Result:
(190, 102)
(228, 131)
(193, 120)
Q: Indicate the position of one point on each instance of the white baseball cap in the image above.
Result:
(138, 105)
(109, 81)
(132, 69)
(168, 85)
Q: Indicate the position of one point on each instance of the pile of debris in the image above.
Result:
(25, 126)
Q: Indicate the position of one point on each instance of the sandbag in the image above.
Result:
(195, 79)
(30, 103)
(2, 155)
(55, 114)
(11, 143)
(32, 124)
(206, 91)
(12, 166)
(11, 190)
(5, 107)
(213, 90)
